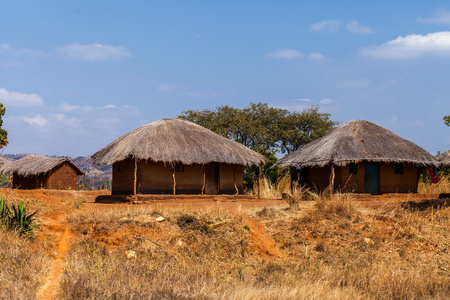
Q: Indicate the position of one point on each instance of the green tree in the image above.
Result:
(447, 120)
(265, 129)
(3, 132)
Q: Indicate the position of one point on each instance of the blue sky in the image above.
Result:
(75, 75)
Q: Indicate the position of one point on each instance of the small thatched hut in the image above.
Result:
(360, 157)
(35, 172)
(444, 159)
(175, 156)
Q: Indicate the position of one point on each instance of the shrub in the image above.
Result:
(15, 217)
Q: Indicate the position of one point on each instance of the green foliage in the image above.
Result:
(3, 132)
(263, 128)
(15, 218)
(447, 120)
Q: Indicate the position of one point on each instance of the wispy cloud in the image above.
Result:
(285, 53)
(36, 120)
(335, 25)
(93, 52)
(326, 101)
(330, 25)
(316, 56)
(414, 45)
(355, 27)
(304, 100)
(440, 16)
(19, 99)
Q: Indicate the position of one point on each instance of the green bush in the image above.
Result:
(15, 218)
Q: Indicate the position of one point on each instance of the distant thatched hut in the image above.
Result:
(35, 172)
(361, 157)
(444, 159)
(175, 156)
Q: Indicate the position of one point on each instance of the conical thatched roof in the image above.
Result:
(357, 141)
(444, 158)
(36, 164)
(176, 141)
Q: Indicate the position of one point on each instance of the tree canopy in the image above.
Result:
(264, 128)
(447, 120)
(3, 132)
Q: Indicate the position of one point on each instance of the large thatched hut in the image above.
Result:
(360, 157)
(175, 156)
(35, 172)
(444, 159)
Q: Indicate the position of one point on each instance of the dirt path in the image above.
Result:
(50, 289)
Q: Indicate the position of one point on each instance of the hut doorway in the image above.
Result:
(371, 178)
(212, 179)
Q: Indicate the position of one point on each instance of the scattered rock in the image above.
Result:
(160, 219)
(130, 254)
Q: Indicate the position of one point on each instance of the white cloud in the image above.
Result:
(326, 101)
(36, 120)
(70, 108)
(335, 25)
(316, 56)
(441, 16)
(165, 87)
(93, 52)
(71, 122)
(355, 27)
(19, 99)
(330, 25)
(413, 45)
(285, 54)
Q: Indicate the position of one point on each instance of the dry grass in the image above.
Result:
(270, 190)
(332, 249)
(23, 266)
(443, 186)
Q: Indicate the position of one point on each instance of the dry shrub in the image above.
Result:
(443, 186)
(23, 266)
(272, 190)
(297, 195)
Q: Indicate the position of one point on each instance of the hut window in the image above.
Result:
(352, 169)
(119, 169)
(398, 169)
(177, 168)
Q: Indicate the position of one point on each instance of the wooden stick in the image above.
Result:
(135, 175)
(234, 180)
(332, 178)
(259, 182)
(174, 181)
(204, 178)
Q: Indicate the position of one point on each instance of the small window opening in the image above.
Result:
(398, 168)
(352, 169)
(177, 168)
(119, 169)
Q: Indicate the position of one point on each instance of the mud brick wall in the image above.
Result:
(62, 177)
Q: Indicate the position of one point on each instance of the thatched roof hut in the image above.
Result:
(362, 143)
(36, 171)
(444, 158)
(161, 148)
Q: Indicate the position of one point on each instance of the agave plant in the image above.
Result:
(15, 218)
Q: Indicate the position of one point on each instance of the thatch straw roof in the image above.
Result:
(176, 141)
(357, 141)
(35, 165)
(444, 158)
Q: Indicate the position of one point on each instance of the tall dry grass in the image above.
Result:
(332, 249)
(443, 186)
(23, 266)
